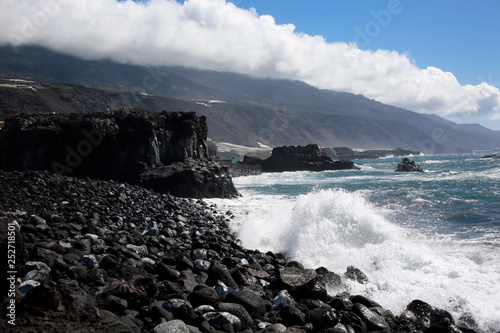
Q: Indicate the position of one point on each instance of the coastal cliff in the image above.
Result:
(120, 145)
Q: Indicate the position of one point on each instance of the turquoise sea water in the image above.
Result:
(433, 236)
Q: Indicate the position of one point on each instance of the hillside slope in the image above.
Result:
(273, 112)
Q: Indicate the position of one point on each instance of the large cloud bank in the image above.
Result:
(217, 35)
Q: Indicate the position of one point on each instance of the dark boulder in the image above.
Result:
(408, 165)
(190, 179)
(253, 303)
(302, 158)
(293, 278)
(374, 321)
(203, 295)
(355, 274)
(493, 156)
(237, 310)
(426, 317)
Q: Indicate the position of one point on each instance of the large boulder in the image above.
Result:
(302, 158)
(408, 165)
(190, 179)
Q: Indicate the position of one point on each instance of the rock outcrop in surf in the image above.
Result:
(302, 158)
(408, 165)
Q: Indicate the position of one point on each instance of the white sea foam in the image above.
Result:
(336, 228)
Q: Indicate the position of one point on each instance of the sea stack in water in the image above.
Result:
(126, 145)
(408, 165)
(303, 158)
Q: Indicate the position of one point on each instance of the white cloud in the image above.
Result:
(215, 34)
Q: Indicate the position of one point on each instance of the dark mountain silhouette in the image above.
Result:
(269, 111)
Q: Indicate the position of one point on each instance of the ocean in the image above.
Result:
(433, 236)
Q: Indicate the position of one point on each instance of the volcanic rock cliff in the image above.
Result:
(302, 158)
(124, 145)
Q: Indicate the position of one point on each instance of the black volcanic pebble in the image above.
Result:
(115, 257)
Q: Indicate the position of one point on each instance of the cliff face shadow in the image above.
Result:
(123, 145)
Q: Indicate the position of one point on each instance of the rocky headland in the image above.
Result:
(104, 256)
(292, 158)
(165, 151)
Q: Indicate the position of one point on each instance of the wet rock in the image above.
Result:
(342, 304)
(355, 274)
(322, 318)
(293, 278)
(408, 165)
(374, 321)
(329, 279)
(425, 316)
(365, 301)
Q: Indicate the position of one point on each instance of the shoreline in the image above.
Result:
(120, 257)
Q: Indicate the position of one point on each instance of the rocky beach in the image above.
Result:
(114, 250)
(104, 256)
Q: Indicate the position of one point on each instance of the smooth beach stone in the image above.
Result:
(173, 326)
(220, 320)
(238, 310)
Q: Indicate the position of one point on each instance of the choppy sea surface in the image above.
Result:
(433, 236)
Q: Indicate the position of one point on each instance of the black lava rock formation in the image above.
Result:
(124, 145)
(408, 165)
(103, 256)
(302, 158)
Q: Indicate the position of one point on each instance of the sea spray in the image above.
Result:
(337, 228)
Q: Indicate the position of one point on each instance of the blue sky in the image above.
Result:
(459, 36)
(434, 57)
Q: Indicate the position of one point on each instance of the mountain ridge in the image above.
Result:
(270, 111)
